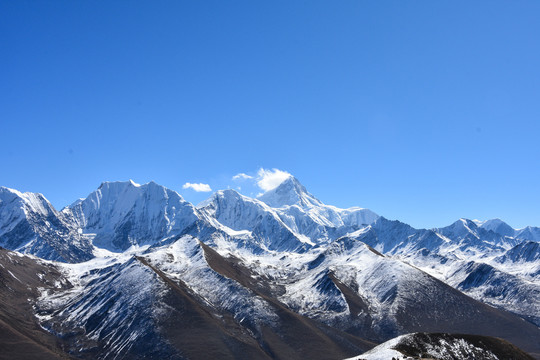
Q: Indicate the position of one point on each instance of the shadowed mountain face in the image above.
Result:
(138, 272)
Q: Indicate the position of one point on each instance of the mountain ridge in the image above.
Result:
(350, 274)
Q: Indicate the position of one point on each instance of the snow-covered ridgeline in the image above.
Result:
(348, 268)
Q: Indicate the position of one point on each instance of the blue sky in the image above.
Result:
(423, 111)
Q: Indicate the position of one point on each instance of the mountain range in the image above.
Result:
(135, 271)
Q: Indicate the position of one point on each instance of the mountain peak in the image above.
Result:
(498, 226)
(289, 192)
(126, 193)
(34, 201)
(124, 213)
(5, 189)
(465, 223)
(219, 195)
(461, 227)
(118, 184)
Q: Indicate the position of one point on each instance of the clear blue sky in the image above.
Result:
(423, 111)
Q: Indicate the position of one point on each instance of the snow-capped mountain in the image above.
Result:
(145, 274)
(290, 192)
(497, 226)
(308, 216)
(527, 252)
(288, 213)
(459, 253)
(500, 227)
(30, 224)
(528, 233)
(471, 238)
(119, 215)
(255, 219)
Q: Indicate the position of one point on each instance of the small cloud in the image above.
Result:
(242, 176)
(271, 179)
(197, 187)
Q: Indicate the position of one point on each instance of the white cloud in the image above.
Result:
(242, 176)
(271, 179)
(197, 187)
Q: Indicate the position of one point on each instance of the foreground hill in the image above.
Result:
(439, 346)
